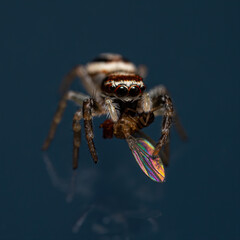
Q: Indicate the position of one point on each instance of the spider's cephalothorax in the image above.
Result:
(123, 86)
(116, 89)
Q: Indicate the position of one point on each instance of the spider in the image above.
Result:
(116, 89)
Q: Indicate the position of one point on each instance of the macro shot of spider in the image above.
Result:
(116, 89)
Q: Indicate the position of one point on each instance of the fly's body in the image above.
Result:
(116, 89)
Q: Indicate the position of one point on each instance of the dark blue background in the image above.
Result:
(192, 47)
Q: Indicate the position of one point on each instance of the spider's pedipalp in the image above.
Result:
(146, 103)
(111, 109)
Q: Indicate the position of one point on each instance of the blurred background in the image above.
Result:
(192, 47)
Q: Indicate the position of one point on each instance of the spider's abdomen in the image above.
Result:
(107, 63)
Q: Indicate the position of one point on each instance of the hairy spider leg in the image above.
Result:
(156, 95)
(80, 72)
(166, 124)
(87, 116)
(179, 127)
(145, 121)
(78, 98)
(166, 153)
(56, 120)
(68, 79)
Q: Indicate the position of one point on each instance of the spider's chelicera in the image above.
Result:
(116, 89)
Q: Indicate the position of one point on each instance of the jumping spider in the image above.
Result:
(116, 89)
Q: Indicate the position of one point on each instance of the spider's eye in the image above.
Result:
(122, 91)
(134, 91)
(111, 88)
(143, 88)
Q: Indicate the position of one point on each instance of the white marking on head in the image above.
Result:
(126, 83)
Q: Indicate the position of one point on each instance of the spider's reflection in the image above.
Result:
(72, 186)
(110, 209)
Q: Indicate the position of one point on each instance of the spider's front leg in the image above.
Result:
(158, 101)
(88, 105)
(156, 95)
(166, 124)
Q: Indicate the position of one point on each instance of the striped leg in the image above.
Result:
(156, 95)
(166, 124)
(87, 116)
(56, 120)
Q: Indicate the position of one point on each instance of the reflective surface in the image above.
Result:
(193, 49)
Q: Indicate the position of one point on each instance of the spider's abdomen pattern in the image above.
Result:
(107, 63)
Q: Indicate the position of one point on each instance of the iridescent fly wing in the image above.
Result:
(142, 151)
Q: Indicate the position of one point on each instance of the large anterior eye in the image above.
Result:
(134, 91)
(121, 91)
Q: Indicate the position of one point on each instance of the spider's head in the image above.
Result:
(123, 86)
